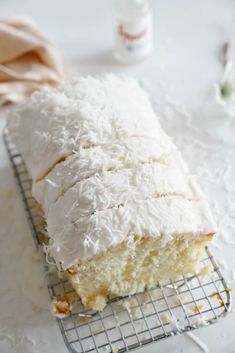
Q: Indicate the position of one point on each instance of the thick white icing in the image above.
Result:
(118, 161)
(110, 189)
(87, 162)
(90, 111)
(165, 216)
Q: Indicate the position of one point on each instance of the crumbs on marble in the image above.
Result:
(61, 306)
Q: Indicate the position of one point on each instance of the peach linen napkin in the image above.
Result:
(28, 61)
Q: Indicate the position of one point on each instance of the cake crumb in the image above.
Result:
(218, 296)
(165, 318)
(61, 306)
(197, 308)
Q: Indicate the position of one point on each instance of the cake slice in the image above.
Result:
(121, 207)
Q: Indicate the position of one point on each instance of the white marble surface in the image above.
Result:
(185, 65)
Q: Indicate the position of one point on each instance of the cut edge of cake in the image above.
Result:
(129, 268)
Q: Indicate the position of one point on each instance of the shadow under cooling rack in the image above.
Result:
(128, 323)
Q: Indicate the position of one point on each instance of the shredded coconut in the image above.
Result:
(203, 347)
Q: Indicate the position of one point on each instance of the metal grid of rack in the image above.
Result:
(172, 308)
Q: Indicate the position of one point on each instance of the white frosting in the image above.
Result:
(153, 217)
(90, 111)
(109, 189)
(132, 152)
(121, 174)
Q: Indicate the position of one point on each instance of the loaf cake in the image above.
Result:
(121, 207)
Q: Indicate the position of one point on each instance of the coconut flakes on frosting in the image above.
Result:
(93, 114)
(152, 217)
(87, 162)
(118, 173)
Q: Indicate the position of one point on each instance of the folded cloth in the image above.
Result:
(28, 61)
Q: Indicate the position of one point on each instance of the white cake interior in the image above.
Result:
(130, 268)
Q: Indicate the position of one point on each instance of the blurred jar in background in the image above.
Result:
(133, 30)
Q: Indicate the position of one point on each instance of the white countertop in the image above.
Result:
(185, 65)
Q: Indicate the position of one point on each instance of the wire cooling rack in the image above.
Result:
(172, 308)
